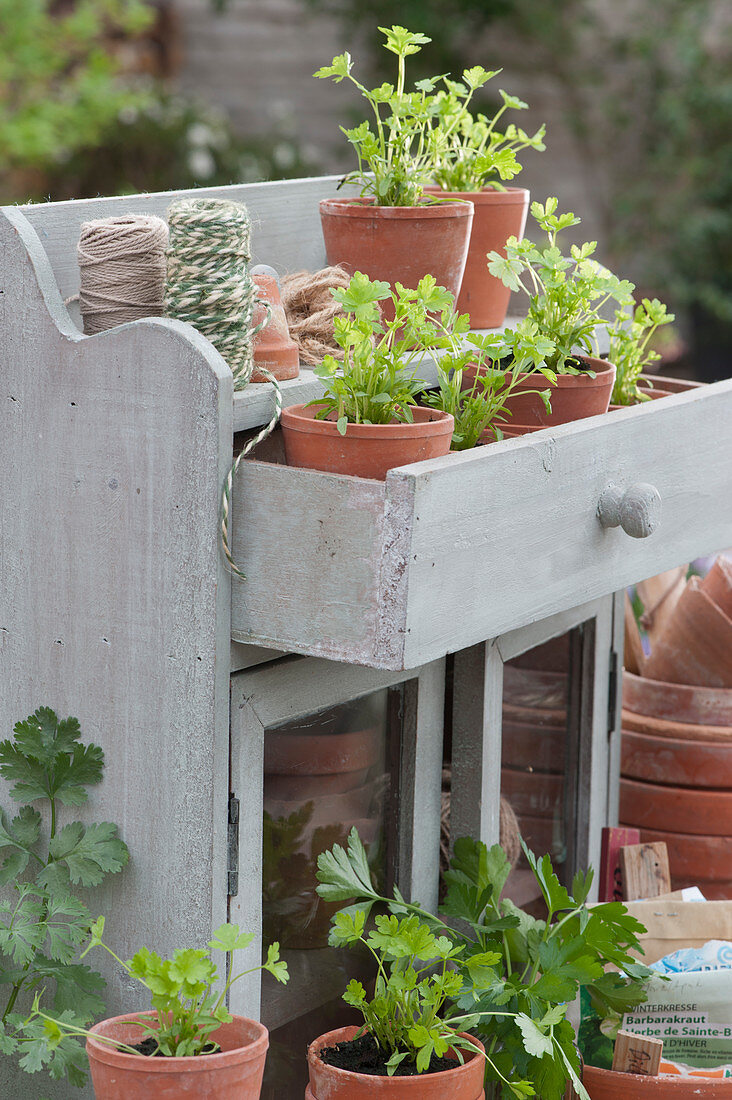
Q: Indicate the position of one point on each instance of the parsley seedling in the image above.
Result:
(183, 991)
(43, 924)
(512, 974)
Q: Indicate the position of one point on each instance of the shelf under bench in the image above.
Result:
(448, 552)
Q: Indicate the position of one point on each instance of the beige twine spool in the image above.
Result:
(122, 268)
(311, 309)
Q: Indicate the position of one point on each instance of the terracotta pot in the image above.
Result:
(654, 394)
(603, 1084)
(664, 727)
(678, 762)
(687, 809)
(302, 787)
(543, 834)
(574, 397)
(510, 431)
(235, 1073)
(693, 859)
(327, 810)
(718, 585)
(398, 243)
(290, 753)
(673, 385)
(498, 216)
(532, 793)
(679, 702)
(696, 644)
(529, 746)
(366, 450)
(274, 348)
(554, 717)
(530, 688)
(330, 1083)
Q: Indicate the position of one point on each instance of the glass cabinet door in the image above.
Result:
(324, 774)
(318, 749)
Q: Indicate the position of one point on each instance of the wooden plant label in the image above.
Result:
(644, 870)
(611, 884)
(637, 1054)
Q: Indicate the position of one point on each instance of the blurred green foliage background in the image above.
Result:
(87, 107)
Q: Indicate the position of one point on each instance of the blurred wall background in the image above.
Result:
(105, 96)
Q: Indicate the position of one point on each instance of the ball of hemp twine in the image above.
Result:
(208, 280)
(310, 309)
(122, 270)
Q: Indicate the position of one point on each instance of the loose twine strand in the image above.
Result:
(122, 270)
(311, 310)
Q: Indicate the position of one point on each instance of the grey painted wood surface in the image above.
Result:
(114, 606)
(448, 552)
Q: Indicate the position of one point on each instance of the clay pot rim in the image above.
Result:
(347, 1076)
(364, 207)
(711, 694)
(687, 1086)
(194, 1063)
(487, 196)
(602, 368)
(427, 422)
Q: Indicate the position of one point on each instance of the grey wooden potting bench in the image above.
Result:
(116, 606)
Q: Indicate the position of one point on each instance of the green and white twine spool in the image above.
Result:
(209, 286)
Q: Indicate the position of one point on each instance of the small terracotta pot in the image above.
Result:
(574, 397)
(528, 746)
(302, 787)
(675, 761)
(510, 431)
(398, 243)
(274, 348)
(697, 811)
(330, 1083)
(696, 644)
(366, 450)
(498, 216)
(718, 585)
(235, 1073)
(604, 1084)
(679, 702)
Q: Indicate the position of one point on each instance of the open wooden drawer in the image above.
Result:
(448, 552)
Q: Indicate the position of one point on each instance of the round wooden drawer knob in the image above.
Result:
(636, 509)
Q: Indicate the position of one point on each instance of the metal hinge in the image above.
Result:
(232, 858)
(612, 702)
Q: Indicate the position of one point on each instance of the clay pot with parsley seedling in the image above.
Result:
(189, 1044)
(630, 337)
(394, 232)
(367, 420)
(497, 973)
(414, 1042)
(472, 159)
(481, 409)
(567, 296)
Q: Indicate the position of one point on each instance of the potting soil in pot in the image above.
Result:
(362, 1055)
